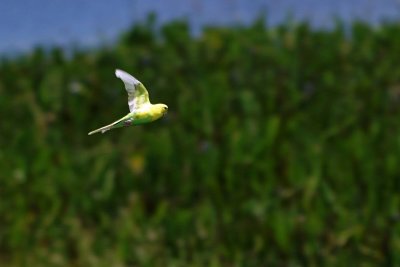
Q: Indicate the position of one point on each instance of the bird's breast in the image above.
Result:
(147, 114)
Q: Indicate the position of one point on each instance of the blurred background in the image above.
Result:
(281, 146)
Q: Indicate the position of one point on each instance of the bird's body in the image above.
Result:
(141, 110)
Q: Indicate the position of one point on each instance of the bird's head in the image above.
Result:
(162, 107)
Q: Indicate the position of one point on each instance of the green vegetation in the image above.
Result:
(281, 148)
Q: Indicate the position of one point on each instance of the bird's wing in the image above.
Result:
(137, 93)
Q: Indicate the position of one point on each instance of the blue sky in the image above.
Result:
(25, 23)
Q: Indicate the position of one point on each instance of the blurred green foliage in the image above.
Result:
(281, 148)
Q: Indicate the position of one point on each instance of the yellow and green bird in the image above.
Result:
(141, 110)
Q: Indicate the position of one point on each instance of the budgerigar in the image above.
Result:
(141, 110)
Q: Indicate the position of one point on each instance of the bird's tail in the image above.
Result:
(108, 127)
(102, 129)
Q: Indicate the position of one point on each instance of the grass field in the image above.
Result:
(281, 148)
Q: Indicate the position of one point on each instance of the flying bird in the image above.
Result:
(141, 110)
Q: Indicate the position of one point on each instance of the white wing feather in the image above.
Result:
(128, 79)
(131, 85)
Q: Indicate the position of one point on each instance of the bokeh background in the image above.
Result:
(281, 146)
